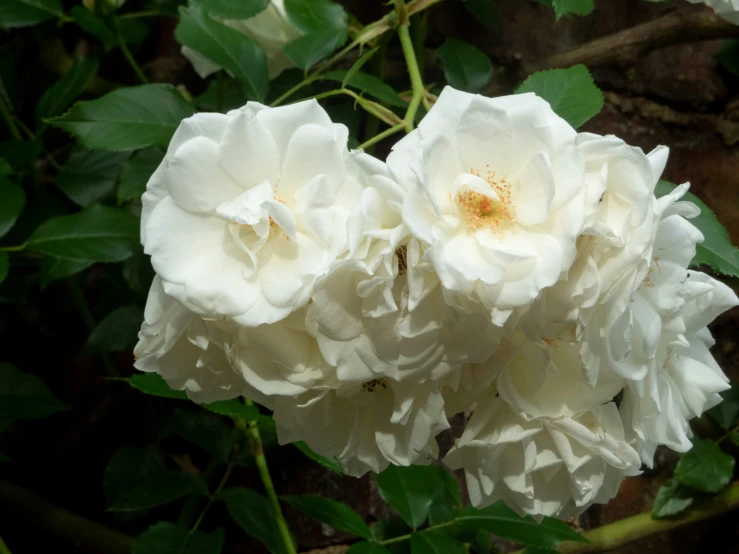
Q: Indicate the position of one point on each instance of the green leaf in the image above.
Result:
(727, 412)
(235, 52)
(435, 543)
(4, 266)
(728, 56)
(12, 201)
(253, 514)
(127, 119)
(672, 499)
(337, 515)
(94, 25)
(571, 92)
(153, 384)
(465, 67)
(20, 153)
(158, 489)
(705, 467)
(307, 50)
(409, 491)
(233, 408)
(169, 538)
(127, 468)
(117, 331)
(367, 548)
(311, 16)
(8, 88)
(447, 499)
(500, 520)
(369, 84)
(88, 177)
(203, 430)
(99, 233)
(136, 171)
(53, 269)
(716, 249)
(228, 9)
(23, 13)
(61, 94)
(329, 463)
(231, 97)
(484, 11)
(25, 396)
(577, 7)
(358, 65)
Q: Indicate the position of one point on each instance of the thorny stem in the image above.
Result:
(386, 133)
(127, 53)
(261, 461)
(419, 92)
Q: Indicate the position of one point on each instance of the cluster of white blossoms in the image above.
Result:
(499, 262)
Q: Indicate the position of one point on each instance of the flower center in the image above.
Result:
(402, 254)
(484, 212)
(375, 384)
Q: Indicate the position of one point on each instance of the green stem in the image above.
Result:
(419, 92)
(386, 133)
(5, 113)
(304, 83)
(13, 248)
(636, 527)
(4, 547)
(408, 536)
(79, 301)
(127, 53)
(221, 485)
(269, 488)
(23, 505)
(728, 434)
(144, 13)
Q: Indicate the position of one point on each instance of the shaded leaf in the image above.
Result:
(716, 249)
(88, 177)
(728, 56)
(117, 331)
(367, 548)
(127, 118)
(672, 499)
(4, 266)
(20, 153)
(228, 9)
(484, 11)
(465, 67)
(203, 430)
(307, 50)
(12, 201)
(154, 385)
(252, 512)
(429, 542)
(233, 408)
(53, 269)
(336, 514)
(136, 171)
(576, 7)
(63, 92)
(169, 538)
(311, 16)
(160, 488)
(94, 25)
(705, 467)
(22, 13)
(447, 499)
(224, 46)
(503, 522)
(571, 92)
(727, 412)
(409, 491)
(329, 463)
(369, 84)
(99, 233)
(25, 396)
(358, 65)
(127, 468)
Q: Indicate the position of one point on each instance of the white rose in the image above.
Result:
(495, 191)
(368, 425)
(543, 467)
(271, 29)
(248, 209)
(728, 9)
(187, 351)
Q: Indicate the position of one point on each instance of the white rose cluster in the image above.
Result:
(499, 262)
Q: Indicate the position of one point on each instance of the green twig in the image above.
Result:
(13, 248)
(255, 439)
(144, 13)
(127, 53)
(8, 119)
(728, 434)
(386, 133)
(213, 497)
(408, 536)
(419, 92)
(304, 83)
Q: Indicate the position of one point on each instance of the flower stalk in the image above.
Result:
(409, 52)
